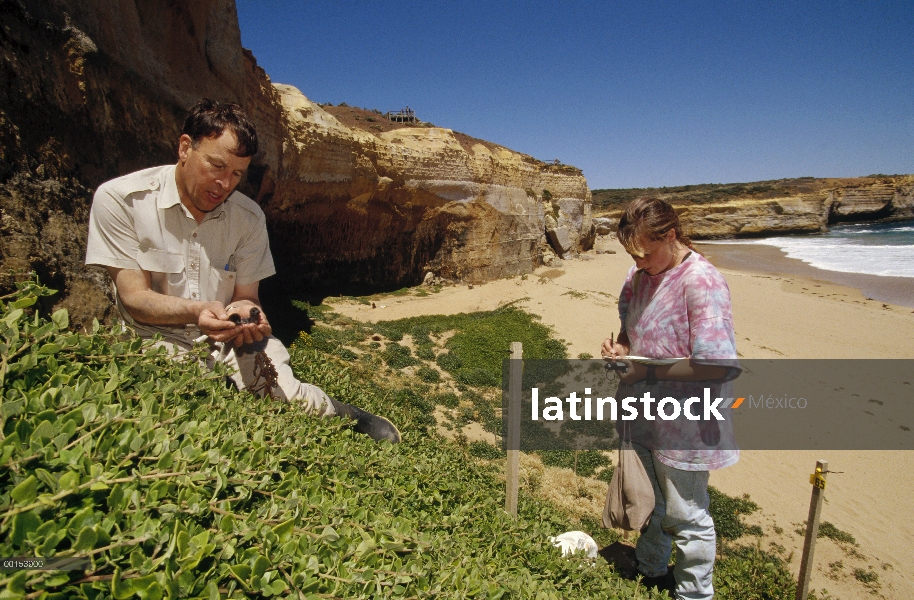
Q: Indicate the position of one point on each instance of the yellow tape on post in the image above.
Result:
(817, 479)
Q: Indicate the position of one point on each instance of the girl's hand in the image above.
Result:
(635, 372)
(612, 349)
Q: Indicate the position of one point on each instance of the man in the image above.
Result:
(186, 254)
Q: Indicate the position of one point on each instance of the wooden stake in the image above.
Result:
(515, 382)
(812, 528)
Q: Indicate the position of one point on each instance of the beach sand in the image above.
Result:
(759, 258)
(780, 310)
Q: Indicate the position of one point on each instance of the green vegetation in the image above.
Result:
(397, 356)
(576, 294)
(481, 449)
(727, 510)
(475, 352)
(749, 573)
(429, 375)
(584, 462)
(867, 577)
(174, 484)
(828, 530)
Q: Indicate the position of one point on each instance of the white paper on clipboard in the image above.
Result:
(644, 360)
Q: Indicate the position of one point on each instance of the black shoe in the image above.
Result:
(375, 427)
(661, 582)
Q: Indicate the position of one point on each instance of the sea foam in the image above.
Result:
(875, 249)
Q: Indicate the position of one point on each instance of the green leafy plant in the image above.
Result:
(828, 530)
(173, 484)
(867, 577)
(726, 511)
(749, 573)
(481, 449)
(429, 375)
(397, 356)
(587, 461)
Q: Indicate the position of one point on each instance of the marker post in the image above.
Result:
(515, 382)
(817, 480)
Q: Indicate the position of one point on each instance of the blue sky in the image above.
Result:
(636, 94)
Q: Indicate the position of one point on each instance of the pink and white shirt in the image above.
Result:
(682, 312)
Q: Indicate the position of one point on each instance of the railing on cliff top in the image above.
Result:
(406, 115)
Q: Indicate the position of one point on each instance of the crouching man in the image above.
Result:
(187, 252)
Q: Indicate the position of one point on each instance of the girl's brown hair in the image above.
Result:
(648, 219)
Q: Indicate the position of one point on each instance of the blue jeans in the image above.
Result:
(680, 517)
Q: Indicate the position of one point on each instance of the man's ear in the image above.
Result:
(184, 147)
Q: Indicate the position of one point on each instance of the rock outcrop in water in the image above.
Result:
(97, 89)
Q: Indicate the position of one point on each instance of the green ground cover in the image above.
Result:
(176, 485)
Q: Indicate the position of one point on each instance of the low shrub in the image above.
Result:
(397, 356)
(481, 449)
(588, 461)
(173, 484)
(429, 375)
(828, 530)
(726, 511)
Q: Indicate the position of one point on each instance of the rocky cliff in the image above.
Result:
(96, 89)
(385, 207)
(805, 207)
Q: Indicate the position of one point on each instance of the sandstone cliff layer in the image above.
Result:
(97, 89)
(824, 202)
(388, 207)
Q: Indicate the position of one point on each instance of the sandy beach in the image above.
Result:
(774, 261)
(780, 310)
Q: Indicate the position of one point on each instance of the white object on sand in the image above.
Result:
(572, 541)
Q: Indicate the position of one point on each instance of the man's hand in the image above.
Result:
(212, 321)
(248, 320)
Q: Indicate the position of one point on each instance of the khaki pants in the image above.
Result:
(241, 361)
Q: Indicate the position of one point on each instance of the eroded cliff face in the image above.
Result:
(836, 201)
(97, 89)
(850, 200)
(385, 208)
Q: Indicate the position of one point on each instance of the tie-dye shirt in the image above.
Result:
(683, 312)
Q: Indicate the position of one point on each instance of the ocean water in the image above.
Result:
(871, 248)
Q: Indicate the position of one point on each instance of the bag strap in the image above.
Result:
(626, 429)
(636, 283)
